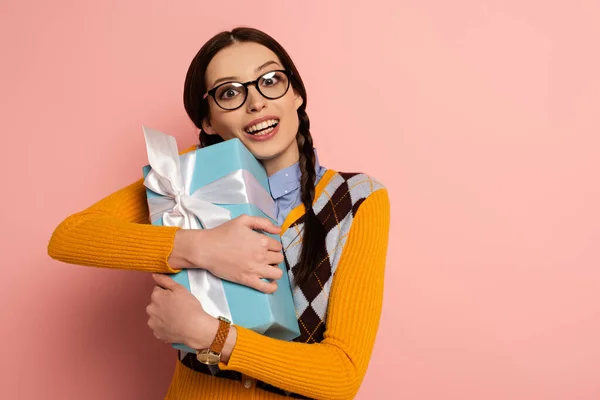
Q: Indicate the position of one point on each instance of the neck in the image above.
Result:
(289, 157)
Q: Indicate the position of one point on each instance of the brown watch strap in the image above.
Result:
(221, 336)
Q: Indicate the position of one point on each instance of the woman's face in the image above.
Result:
(266, 127)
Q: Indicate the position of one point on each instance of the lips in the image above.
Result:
(262, 127)
(261, 124)
(263, 135)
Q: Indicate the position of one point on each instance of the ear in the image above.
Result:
(298, 100)
(207, 127)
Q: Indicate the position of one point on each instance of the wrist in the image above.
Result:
(204, 334)
(229, 344)
(179, 253)
(201, 248)
(190, 249)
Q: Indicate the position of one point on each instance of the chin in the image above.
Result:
(269, 148)
(263, 152)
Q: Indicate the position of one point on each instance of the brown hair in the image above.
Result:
(197, 109)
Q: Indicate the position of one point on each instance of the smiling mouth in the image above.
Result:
(263, 128)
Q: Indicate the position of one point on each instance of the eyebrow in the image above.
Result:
(234, 78)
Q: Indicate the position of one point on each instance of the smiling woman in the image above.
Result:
(334, 229)
(273, 91)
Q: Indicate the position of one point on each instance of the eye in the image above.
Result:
(270, 79)
(229, 91)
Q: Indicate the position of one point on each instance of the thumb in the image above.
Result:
(165, 282)
(262, 224)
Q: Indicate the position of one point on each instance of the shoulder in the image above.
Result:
(351, 202)
(345, 192)
(357, 186)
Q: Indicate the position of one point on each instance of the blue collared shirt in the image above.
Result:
(285, 187)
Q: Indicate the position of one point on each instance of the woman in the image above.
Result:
(334, 229)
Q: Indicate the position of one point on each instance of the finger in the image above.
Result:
(261, 224)
(263, 286)
(274, 257)
(157, 291)
(271, 244)
(165, 282)
(271, 272)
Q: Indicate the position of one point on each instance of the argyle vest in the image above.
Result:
(335, 207)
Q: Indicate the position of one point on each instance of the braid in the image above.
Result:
(314, 233)
(207, 140)
(307, 161)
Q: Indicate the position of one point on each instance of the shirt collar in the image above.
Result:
(287, 180)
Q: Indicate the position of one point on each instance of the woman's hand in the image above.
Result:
(233, 251)
(176, 316)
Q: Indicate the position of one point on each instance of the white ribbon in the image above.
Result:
(171, 177)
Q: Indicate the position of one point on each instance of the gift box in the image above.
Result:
(202, 189)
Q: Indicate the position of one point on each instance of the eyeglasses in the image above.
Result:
(232, 95)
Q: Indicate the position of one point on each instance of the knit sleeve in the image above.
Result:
(334, 368)
(115, 232)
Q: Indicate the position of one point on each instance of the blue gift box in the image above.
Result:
(273, 314)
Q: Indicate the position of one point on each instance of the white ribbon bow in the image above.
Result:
(172, 179)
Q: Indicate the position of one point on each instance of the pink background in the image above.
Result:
(482, 118)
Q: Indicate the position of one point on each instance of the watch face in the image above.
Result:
(208, 357)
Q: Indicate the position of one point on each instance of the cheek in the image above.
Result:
(227, 124)
(291, 113)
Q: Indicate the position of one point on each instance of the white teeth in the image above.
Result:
(262, 133)
(262, 125)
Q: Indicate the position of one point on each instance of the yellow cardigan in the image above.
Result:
(115, 233)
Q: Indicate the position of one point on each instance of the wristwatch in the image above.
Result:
(212, 355)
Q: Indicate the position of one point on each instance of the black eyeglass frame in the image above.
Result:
(213, 91)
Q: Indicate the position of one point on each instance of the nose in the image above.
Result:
(256, 101)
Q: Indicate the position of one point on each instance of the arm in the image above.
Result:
(115, 233)
(334, 368)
